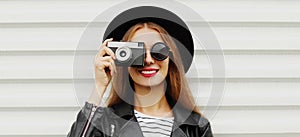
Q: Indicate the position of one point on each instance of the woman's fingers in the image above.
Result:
(101, 65)
(105, 42)
(105, 55)
(106, 61)
(109, 52)
(112, 62)
(104, 66)
(104, 50)
(114, 70)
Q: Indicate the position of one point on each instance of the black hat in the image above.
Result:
(165, 18)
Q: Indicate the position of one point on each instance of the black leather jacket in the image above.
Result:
(120, 121)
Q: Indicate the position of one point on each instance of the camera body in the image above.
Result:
(128, 53)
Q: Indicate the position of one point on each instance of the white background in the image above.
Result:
(260, 39)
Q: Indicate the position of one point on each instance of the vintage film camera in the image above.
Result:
(128, 53)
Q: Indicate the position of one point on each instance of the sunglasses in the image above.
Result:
(160, 51)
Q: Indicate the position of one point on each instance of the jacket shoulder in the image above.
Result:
(203, 124)
(200, 120)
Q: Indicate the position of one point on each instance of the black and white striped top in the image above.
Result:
(154, 126)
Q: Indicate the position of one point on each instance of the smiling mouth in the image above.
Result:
(148, 72)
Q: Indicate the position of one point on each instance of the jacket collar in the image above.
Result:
(181, 114)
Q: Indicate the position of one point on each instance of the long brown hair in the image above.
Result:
(176, 81)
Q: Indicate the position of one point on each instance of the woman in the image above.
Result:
(153, 100)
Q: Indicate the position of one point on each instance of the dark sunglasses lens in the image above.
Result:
(160, 51)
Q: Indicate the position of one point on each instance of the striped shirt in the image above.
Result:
(154, 126)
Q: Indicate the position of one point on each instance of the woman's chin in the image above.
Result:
(149, 82)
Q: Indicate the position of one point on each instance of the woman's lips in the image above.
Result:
(148, 72)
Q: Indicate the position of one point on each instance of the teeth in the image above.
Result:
(148, 72)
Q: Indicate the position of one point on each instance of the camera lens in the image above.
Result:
(123, 54)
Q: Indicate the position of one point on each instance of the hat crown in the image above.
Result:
(174, 25)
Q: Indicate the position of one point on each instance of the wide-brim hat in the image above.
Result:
(173, 24)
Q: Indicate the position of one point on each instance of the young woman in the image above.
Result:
(151, 101)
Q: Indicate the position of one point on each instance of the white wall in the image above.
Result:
(261, 46)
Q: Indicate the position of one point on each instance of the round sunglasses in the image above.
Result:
(160, 51)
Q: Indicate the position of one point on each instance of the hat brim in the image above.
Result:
(174, 25)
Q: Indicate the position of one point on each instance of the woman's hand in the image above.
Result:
(104, 67)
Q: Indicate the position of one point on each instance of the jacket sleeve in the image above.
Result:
(82, 126)
(207, 131)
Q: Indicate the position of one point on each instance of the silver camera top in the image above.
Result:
(115, 44)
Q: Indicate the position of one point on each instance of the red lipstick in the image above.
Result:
(148, 72)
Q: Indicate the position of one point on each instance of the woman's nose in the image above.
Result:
(148, 58)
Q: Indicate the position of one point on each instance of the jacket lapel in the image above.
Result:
(178, 133)
(130, 126)
(131, 129)
(182, 116)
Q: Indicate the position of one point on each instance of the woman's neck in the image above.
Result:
(152, 100)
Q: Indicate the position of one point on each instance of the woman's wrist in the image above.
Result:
(97, 96)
